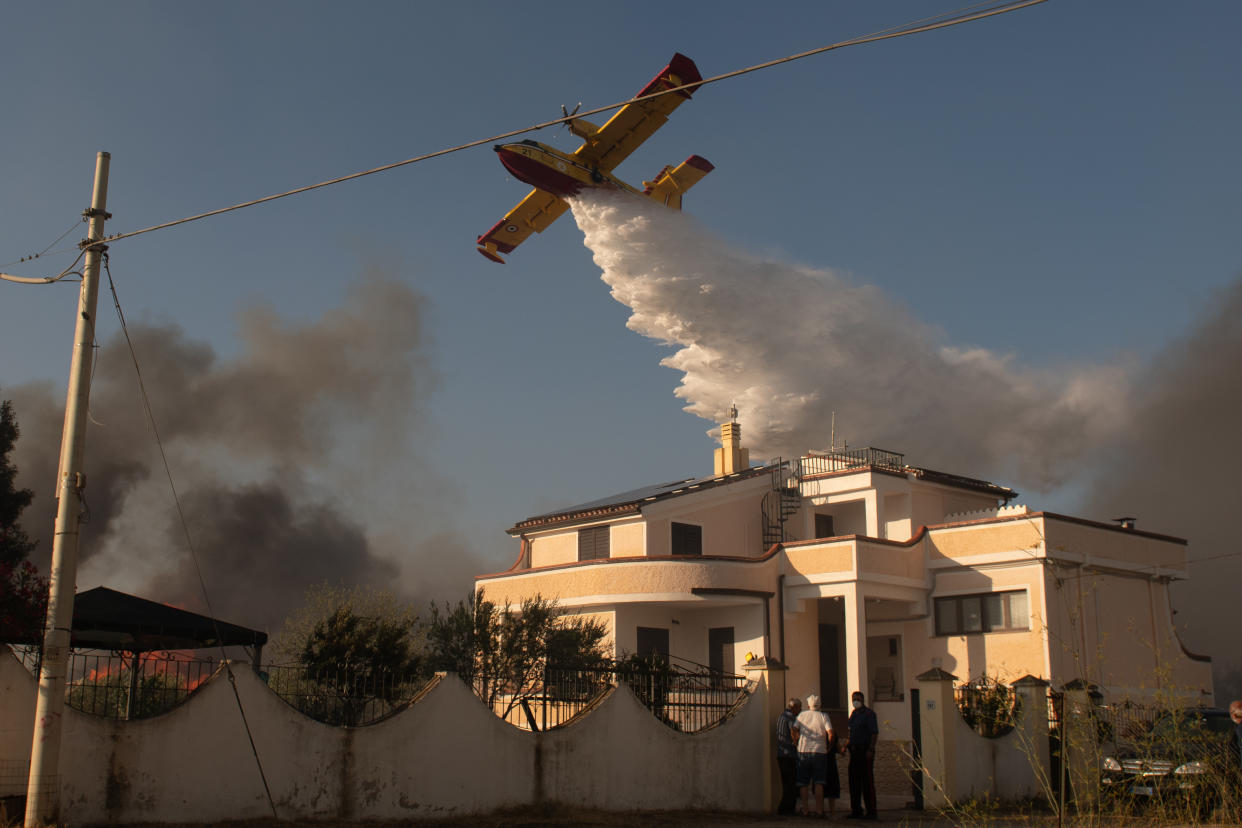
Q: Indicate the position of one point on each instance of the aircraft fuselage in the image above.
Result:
(554, 171)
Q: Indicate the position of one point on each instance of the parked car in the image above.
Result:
(1181, 761)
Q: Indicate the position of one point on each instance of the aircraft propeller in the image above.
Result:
(565, 112)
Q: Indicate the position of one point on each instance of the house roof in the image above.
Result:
(632, 501)
(961, 482)
(106, 619)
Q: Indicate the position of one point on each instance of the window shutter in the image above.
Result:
(593, 543)
(687, 539)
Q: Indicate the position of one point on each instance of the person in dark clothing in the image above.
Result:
(787, 756)
(864, 734)
(1235, 713)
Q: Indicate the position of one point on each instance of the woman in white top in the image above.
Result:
(816, 765)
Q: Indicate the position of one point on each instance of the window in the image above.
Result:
(653, 641)
(986, 612)
(593, 543)
(720, 655)
(687, 539)
(823, 526)
(720, 649)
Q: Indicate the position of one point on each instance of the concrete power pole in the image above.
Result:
(43, 786)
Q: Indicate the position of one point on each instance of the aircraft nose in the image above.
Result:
(496, 147)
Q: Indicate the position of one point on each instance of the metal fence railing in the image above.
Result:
(988, 707)
(685, 696)
(106, 684)
(841, 459)
(1126, 721)
(350, 696)
(127, 686)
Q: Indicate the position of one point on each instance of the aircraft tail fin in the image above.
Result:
(672, 182)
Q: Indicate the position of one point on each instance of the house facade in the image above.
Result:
(855, 570)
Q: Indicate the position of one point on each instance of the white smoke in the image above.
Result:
(791, 345)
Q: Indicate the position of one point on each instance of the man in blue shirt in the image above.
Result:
(864, 734)
(787, 756)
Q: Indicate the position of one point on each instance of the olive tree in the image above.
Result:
(504, 652)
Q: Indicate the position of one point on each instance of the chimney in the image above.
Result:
(731, 457)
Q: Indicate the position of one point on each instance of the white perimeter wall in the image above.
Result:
(444, 754)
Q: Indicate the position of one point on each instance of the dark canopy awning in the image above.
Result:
(104, 619)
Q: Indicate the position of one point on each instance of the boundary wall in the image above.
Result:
(959, 765)
(444, 754)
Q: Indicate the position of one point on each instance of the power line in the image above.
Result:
(43, 252)
(967, 15)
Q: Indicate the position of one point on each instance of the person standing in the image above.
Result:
(815, 766)
(787, 756)
(1235, 713)
(864, 734)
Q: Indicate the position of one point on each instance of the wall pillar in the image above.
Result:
(1032, 727)
(769, 675)
(856, 642)
(1080, 748)
(937, 718)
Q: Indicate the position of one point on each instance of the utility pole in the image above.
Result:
(43, 786)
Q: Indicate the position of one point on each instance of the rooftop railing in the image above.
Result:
(844, 459)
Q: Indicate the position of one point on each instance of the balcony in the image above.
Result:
(825, 462)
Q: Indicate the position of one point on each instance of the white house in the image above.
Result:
(857, 570)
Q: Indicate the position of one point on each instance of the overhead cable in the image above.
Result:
(915, 27)
(189, 541)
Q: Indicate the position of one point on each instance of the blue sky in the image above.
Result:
(1059, 184)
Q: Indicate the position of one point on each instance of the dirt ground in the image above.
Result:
(562, 817)
(566, 817)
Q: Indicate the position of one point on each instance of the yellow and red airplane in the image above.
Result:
(557, 175)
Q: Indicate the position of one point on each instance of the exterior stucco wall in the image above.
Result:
(837, 483)
(894, 561)
(688, 628)
(608, 618)
(554, 548)
(603, 581)
(17, 698)
(430, 759)
(625, 539)
(620, 758)
(1006, 655)
(895, 516)
(1000, 768)
(1102, 546)
(1015, 538)
(1117, 631)
(926, 508)
(732, 527)
(836, 557)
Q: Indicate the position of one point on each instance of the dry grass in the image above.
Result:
(563, 817)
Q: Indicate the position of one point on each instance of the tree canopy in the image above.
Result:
(23, 594)
(504, 652)
(357, 625)
(347, 641)
(354, 646)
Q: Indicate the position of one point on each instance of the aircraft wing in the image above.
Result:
(634, 123)
(532, 215)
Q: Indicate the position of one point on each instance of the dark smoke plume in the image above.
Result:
(1174, 465)
(284, 458)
